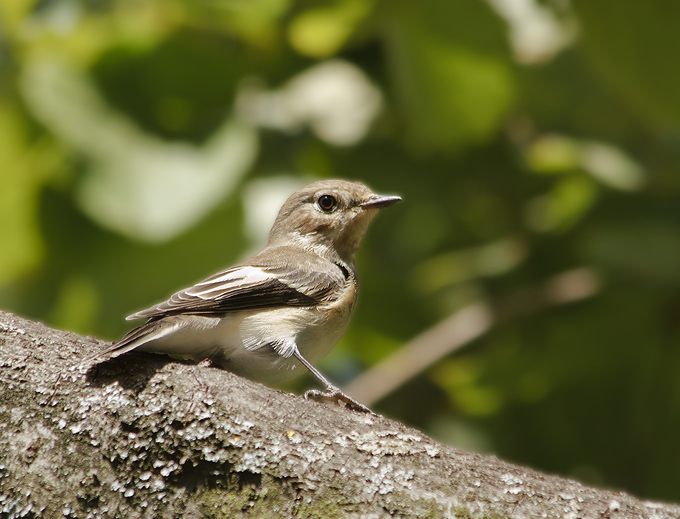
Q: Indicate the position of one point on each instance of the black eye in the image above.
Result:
(327, 203)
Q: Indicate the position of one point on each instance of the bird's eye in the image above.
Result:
(327, 203)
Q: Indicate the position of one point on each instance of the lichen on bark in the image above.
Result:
(148, 436)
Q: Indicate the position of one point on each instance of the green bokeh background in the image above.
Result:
(144, 144)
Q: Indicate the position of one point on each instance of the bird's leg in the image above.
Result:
(332, 392)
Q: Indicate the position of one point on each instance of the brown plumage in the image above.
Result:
(285, 307)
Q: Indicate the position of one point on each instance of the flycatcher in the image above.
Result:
(284, 308)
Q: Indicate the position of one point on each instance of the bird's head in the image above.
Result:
(327, 216)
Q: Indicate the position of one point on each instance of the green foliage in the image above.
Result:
(454, 86)
(145, 145)
(634, 53)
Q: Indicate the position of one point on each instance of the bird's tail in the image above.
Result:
(150, 331)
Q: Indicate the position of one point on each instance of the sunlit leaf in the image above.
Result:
(321, 31)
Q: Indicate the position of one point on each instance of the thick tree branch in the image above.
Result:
(147, 436)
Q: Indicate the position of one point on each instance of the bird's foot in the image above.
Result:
(334, 394)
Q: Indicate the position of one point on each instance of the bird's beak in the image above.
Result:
(379, 201)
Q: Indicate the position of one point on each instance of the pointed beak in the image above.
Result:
(379, 201)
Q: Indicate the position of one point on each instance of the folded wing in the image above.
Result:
(253, 286)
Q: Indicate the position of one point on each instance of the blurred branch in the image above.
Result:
(465, 326)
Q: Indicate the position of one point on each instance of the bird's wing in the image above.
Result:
(263, 284)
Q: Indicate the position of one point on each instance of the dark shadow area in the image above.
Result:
(132, 370)
(207, 475)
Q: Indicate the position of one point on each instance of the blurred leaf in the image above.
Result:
(632, 45)
(183, 87)
(533, 386)
(26, 169)
(451, 373)
(567, 96)
(553, 154)
(321, 31)
(604, 162)
(256, 21)
(566, 204)
(477, 400)
(334, 98)
(137, 184)
(13, 14)
(453, 91)
(492, 259)
(648, 249)
(77, 306)
(611, 166)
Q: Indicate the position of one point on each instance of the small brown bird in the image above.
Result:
(287, 306)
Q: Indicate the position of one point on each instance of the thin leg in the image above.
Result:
(332, 392)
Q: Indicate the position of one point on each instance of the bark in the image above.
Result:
(148, 436)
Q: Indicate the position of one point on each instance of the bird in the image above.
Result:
(281, 310)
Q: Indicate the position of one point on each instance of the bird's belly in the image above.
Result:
(258, 344)
(268, 339)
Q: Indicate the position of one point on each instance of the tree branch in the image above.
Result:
(147, 436)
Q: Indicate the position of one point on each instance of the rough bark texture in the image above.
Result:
(147, 436)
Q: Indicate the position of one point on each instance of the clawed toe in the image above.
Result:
(335, 395)
(205, 363)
